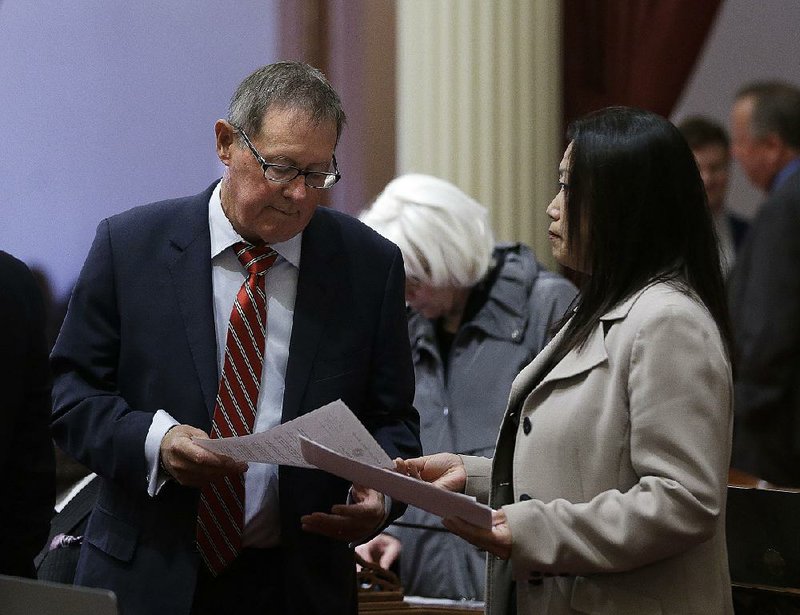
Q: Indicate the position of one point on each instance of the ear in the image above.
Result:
(226, 136)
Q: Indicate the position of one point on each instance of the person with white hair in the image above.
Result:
(478, 313)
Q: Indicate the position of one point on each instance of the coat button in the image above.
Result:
(446, 411)
(526, 425)
(515, 334)
(524, 497)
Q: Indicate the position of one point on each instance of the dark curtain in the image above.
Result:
(352, 42)
(631, 52)
(303, 37)
(303, 32)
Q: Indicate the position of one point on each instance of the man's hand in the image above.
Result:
(192, 465)
(349, 522)
(444, 470)
(382, 550)
(496, 540)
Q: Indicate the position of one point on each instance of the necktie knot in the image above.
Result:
(257, 259)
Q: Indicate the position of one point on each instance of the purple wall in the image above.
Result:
(108, 105)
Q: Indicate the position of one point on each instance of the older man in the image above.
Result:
(222, 314)
(765, 286)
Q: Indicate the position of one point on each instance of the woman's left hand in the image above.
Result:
(496, 540)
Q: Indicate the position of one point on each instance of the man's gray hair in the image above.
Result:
(285, 85)
(444, 235)
(776, 109)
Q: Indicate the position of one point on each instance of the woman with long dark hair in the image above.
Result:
(478, 313)
(610, 474)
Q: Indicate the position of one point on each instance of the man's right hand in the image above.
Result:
(444, 470)
(190, 464)
(382, 550)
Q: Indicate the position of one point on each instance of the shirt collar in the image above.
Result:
(784, 174)
(223, 235)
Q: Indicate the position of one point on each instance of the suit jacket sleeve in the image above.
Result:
(393, 421)
(391, 417)
(91, 418)
(350, 332)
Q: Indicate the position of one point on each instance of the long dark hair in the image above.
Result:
(634, 185)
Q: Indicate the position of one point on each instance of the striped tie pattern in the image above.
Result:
(220, 516)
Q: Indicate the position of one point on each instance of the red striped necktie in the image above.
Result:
(220, 517)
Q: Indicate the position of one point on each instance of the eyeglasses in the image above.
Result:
(284, 173)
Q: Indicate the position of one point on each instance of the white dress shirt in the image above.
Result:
(262, 523)
(727, 249)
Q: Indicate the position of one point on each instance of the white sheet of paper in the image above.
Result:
(333, 425)
(404, 488)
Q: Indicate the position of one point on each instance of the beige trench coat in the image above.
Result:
(612, 470)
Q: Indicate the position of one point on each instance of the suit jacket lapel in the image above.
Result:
(190, 268)
(316, 286)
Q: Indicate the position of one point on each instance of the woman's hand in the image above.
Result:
(496, 540)
(444, 470)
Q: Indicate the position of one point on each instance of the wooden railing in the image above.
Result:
(380, 592)
(763, 534)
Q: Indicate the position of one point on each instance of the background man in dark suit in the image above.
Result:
(26, 450)
(764, 288)
(711, 148)
(138, 364)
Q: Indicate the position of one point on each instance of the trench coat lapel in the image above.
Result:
(576, 362)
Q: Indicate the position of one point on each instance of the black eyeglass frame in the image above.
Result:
(330, 178)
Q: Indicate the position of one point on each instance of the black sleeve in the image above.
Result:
(26, 449)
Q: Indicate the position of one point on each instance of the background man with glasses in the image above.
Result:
(142, 367)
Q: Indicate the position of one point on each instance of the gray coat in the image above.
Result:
(462, 411)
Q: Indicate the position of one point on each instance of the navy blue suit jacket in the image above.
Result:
(139, 336)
